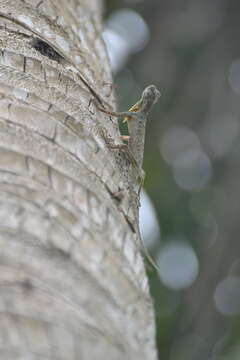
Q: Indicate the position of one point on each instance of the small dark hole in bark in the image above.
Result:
(46, 50)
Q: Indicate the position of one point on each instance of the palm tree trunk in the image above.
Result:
(72, 280)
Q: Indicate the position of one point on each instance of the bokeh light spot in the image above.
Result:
(178, 140)
(193, 170)
(125, 22)
(227, 296)
(178, 265)
(125, 33)
(221, 133)
(181, 149)
(117, 49)
(149, 226)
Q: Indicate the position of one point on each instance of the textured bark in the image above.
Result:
(72, 280)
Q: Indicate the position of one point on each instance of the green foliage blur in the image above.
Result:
(193, 56)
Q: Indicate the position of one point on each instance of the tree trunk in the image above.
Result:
(72, 280)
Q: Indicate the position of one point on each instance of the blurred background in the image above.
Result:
(190, 214)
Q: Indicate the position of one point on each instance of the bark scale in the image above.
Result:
(72, 280)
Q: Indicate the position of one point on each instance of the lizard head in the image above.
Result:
(149, 97)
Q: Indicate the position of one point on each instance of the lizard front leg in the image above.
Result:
(109, 112)
(125, 114)
(122, 147)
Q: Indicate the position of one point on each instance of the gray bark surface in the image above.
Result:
(72, 280)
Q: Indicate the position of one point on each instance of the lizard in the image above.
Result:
(136, 118)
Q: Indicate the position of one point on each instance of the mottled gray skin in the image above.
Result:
(136, 118)
(137, 122)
